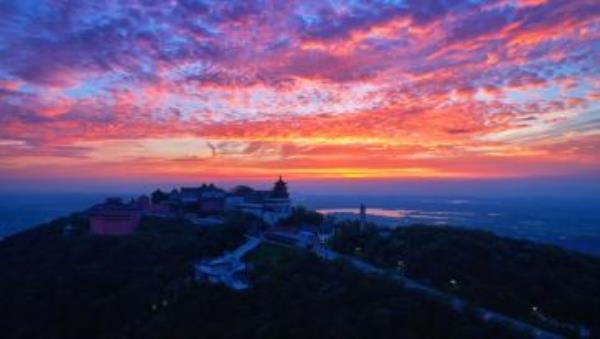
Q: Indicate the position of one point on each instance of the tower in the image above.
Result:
(280, 190)
(277, 204)
(363, 217)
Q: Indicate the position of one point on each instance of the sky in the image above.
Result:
(109, 93)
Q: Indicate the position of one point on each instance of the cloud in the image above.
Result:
(421, 85)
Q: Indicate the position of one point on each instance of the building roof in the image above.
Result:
(198, 191)
(114, 206)
(256, 196)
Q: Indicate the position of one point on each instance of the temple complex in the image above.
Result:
(271, 205)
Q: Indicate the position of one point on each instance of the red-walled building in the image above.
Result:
(114, 218)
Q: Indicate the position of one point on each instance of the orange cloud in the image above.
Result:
(502, 89)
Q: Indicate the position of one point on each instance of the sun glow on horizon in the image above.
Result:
(310, 89)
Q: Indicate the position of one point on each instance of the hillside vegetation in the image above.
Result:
(141, 286)
(539, 283)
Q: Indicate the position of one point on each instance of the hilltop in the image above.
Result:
(141, 286)
(63, 280)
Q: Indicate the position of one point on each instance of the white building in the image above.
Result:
(223, 270)
(228, 269)
(271, 206)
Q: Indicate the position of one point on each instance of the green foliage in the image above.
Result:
(301, 216)
(296, 295)
(504, 274)
(140, 286)
(159, 196)
(243, 219)
(55, 286)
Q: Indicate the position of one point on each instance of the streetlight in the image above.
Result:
(453, 283)
(400, 266)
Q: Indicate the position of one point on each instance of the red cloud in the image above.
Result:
(381, 92)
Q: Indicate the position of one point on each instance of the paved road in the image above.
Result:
(458, 304)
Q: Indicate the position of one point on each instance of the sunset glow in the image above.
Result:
(197, 89)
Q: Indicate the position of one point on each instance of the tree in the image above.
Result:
(159, 196)
(302, 216)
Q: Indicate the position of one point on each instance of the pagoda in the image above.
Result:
(280, 190)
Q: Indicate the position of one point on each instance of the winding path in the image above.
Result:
(457, 304)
